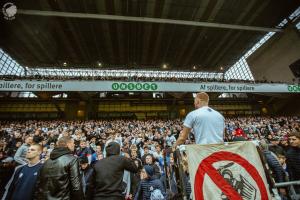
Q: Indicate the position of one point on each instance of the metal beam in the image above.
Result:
(146, 19)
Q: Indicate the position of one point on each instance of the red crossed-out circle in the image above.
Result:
(206, 167)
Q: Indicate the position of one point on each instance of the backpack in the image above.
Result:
(157, 195)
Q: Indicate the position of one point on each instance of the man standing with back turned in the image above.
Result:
(208, 124)
(107, 178)
(60, 176)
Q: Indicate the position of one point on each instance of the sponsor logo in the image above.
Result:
(294, 88)
(134, 86)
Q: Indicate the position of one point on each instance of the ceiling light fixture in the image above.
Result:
(194, 67)
(65, 64)
(99, 64)
(164, 66)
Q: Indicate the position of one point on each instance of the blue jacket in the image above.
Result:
(22, 184)
(147, 186)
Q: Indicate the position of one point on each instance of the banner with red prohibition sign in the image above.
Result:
(227, 171)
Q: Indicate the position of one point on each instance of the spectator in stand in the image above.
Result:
(134, 157)
(135, 133)
(278, 172)
(293, 158)
(96, 154)
(282, 161)
(37, 138)
(145, 153)
(150, 187)
(84, 151)
(208, 125)
(186, 177)
(170, 139)
(20, 156)
(12, 150)
(7, 167)
(284, 143)
(60, 176)
(52, 138)
(112, 77)
(15, 138)
(87, 172)
(274, 146)
(106, 182)
(135, 177)
(150, 162)
(22, 184)
(239, 134)
(158, 154)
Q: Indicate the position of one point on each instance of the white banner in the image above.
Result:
(232, 171)
(27, 85)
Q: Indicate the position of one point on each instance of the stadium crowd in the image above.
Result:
(147, 143)
(132, 78)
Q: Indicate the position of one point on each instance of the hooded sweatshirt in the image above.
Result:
(108, 174)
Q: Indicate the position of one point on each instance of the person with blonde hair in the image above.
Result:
(207, 124)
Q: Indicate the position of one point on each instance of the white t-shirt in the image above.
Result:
(208, 125)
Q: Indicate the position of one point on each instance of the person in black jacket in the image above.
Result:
(293, 158)
(60, 176)
(276, 168)
(274, 164)
(107, 178)
(87, 172)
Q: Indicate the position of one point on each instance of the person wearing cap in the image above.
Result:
(207, 124)
(150, 186)
(87, 171)
(107, 177)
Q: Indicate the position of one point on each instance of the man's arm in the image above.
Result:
(76, 181)
(138, 194)
(129, 165)
(10, 185)
(183, 136)
(18, 157)
(91, 186)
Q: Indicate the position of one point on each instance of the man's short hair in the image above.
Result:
(296, 134)
(63, 141)
(28, 136)
(203, 96)
(39, 147)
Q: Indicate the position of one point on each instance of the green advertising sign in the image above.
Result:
(294, 88)
(135, 86)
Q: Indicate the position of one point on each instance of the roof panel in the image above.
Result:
(50, 41)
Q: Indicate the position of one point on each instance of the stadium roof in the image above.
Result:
(119, 34)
